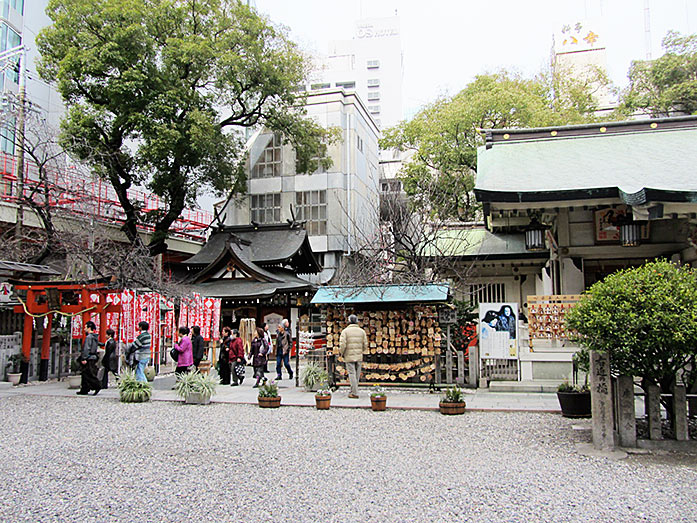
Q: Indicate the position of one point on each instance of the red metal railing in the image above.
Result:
(71, 190)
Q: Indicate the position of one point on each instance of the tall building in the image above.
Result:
(339, 204)
(18, 27)
(578, 50)
(371, 63)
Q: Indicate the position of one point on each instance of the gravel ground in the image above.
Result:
(85, 459)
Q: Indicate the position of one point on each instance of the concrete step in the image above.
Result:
(524, 386)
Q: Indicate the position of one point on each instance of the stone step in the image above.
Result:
(524, 386)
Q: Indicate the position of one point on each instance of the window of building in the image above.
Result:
(373, 82)
(346, 85)
(359, 143)
(17, 5)
(7, 135)
(269, 163)
(315, 87)
(391, 186)
(373, 64)
(265, 208)
(374, 109)
(374, 96)
(486, 293)
(311, 206)
(9, 39)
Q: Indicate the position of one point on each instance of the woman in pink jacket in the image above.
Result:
(186, 355)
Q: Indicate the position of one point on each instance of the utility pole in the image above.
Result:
(5, 62)
(19, 141)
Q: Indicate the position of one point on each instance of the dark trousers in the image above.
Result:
(105, 378)
(181, 370)
(259, 372)
(285, 359)
(197, 362)
(89, 381)
(224, 371)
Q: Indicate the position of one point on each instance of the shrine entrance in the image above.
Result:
(47, 299)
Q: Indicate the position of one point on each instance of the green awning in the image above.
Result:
(437, 292)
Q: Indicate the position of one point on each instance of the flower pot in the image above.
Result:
(74, 381)
(197, 398)
(575, 404)
(451, 409)
(14, 377)
(269, 403)
(379, 403)
(323, 402)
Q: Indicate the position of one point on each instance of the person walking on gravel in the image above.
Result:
(284, 342)
(186, 358)
(88, 361)
(237, 361)
(353, 342)
(141, 346)
(197, 345)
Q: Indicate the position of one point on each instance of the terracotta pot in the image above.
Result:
(575, 404)
(269, 403)
(323, 402)
(378, 404)
(14, 377)
(74, 382)
(451, 409)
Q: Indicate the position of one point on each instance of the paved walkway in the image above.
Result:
(478, 400)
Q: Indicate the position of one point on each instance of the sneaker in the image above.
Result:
(96, 392)
(290, 377)
(234, 384)
(279, 378)
(80, 393)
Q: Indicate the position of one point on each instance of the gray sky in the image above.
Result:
(447, 42)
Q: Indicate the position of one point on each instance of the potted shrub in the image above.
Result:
(196, 388)
(74, 379)
(313, 376)
(453, 401)
(323, 399)
(132, 390)
(268, 397)
(575, 401)
(13, 368)
(378, 398)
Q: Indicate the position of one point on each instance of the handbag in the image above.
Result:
(174, 353)
(239, 370)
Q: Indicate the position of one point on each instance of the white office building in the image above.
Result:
(339, 204)
(371, 63)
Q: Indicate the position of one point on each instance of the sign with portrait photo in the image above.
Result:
(498, 331)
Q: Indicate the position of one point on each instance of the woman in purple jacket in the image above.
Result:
(186, 356)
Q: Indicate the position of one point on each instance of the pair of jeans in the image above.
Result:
(140, 370)
(354, 372)
(285, 360)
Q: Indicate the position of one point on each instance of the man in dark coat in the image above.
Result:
(88, 361)
(197, 345)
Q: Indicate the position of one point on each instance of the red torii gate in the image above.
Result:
(68, 298)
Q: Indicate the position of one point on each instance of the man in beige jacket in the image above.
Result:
(352, 343)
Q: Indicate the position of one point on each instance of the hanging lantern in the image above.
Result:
(630, 234)
(535, 236)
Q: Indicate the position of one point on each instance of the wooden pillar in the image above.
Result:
(27, 334)
(85, 302)
(45, 349)
(460, 368)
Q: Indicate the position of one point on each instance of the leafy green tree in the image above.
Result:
(443, 137)
(645, 318)
(159, 91)
(668, 84)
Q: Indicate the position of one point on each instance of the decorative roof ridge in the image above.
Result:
(673, 123)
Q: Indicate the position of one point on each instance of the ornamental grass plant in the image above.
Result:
(132, 390)
(269, 389)
(193, 382)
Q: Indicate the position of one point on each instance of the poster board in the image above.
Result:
(498, 331)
